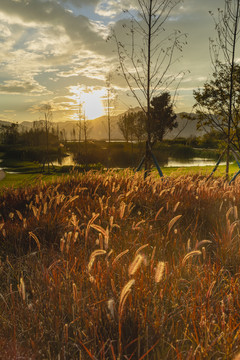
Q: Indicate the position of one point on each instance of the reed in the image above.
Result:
(108, 266)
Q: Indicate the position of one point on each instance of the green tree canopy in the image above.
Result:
(163, 118)
(212, 103)
(9, 133)
(133, 125)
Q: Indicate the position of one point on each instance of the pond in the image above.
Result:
(65, 161)
(172, 162)
(197, 161)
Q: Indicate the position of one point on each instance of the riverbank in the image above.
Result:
(25, 174)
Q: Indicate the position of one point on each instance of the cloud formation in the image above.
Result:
(47, 46)
(21, 87)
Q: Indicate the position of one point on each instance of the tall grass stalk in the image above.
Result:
(106, 266)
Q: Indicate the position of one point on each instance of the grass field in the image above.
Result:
(20, 174)
(109, 266)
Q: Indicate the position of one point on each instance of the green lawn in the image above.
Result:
(30, 174)
(22, 180)
(204, 170)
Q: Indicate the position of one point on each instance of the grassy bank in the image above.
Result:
(20, 174)
(108, 266)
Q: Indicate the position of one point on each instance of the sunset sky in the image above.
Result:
(55, 51)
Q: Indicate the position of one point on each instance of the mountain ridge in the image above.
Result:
(98, 127)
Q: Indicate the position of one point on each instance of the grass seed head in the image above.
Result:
(124, 294)
(22, 290)
(159, 271)
(93, 256)
(191, 254)
(135, 265)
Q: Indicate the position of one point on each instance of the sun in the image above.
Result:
(91, 101)
(92, 104)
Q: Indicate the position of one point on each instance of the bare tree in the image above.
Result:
(147, 59)
(86, 129)
(109, 103)
(47, 112)
(79, 125)
(110, 94)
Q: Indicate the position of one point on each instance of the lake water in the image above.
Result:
(197, 161)
(172, 162)
(65, 161)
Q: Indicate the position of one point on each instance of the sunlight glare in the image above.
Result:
(92, 105)
(91, 100)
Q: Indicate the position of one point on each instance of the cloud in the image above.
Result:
(4, 31)
(51, 14)
(8, 116)
(112, 8)
(45, 35)
(80, 3)
(88, 65)
(50, 45)
(108, 8)
(21, 87)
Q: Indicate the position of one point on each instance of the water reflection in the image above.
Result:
(65, 161)
(197, 161)
(172, 162)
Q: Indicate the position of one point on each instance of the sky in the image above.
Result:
(56, 52)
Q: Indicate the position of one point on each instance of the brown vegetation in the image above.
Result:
(108, 266)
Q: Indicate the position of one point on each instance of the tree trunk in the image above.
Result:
(148, 142)
(227, 160)
(147, 159)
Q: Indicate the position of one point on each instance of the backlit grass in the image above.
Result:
(108, 266)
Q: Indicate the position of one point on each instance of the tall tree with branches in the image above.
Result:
(109, 102)
(146, 60)
(46, 111)
(223, 56)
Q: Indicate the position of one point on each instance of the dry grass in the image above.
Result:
(113, 267)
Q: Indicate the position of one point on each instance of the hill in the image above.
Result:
(98, 127)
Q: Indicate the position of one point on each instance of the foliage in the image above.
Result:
(37, 137)
(9, 133)
(110, 266)
(163, 118)
(223, 54)
(133, 126)
(212, 104)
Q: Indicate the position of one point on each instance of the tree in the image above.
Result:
(86, 129)
(109, 103)
(139, 129)
(9, 133)
(126, 125)
(145, 62)
(223, 55)
(79, 125)
(212, 106)
(163, 117)
(47, 113)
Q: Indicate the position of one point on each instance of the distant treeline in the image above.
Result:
(36, 143)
